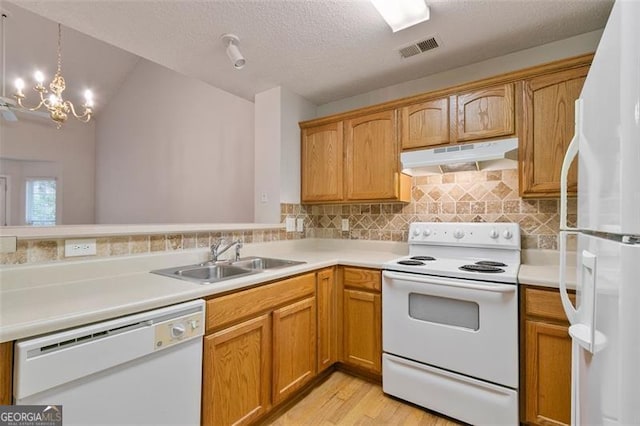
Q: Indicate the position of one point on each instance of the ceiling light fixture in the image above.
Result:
(401, 14)
(232, 42)
(58, 108)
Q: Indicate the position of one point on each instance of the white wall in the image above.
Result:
(37, 148)
(573, 46)
(277, 150)
(267, 156)
(294, 108)
(171, 149)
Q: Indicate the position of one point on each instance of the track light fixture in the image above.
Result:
(232, 41)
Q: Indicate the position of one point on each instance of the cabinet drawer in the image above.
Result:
(545, 304)
(367, 279)
(233, 307)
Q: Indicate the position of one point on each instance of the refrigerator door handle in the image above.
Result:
(584, 333)
(572, 152)
(569, 309)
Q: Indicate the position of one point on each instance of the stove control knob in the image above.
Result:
(416, 231)
(507, 234)
(494, 234)
(458, 233)
(426, 232)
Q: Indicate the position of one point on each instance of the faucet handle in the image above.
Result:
(217, 244)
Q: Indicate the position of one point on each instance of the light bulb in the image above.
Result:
(88, 98)
(19, 84)
(39, 76)
(53, 99)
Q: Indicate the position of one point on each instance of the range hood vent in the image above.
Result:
(488, 155)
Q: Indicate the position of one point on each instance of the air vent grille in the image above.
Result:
(419, 47)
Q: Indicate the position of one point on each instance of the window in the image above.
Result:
(41, 201)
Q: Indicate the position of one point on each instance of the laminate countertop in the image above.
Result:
(49, 297)
(43, 298)
(542, 268)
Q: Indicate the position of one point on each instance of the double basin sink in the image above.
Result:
(213, 272)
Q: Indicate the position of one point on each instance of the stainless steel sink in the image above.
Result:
(255, 262)
(206, 274)
(209, 273)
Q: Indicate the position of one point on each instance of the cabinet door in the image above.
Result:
(327, 319)
(6, 370)
(372, 157)
(425, 124)
(547, 129)
(548, 374)
(485, 113)
(362, 346)
(236, 373)
(294, 347)
(322, 165)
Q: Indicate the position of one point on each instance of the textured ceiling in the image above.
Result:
(321, 49)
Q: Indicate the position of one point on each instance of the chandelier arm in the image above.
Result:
(42, 102)
(87, 112)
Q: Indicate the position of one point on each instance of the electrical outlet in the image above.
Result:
(345, 224)
(84, 247)
(290, 224)
(300, 225)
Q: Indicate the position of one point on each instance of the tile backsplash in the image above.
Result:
(51, 250)
(483, 196)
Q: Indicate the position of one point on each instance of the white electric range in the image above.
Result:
(450, 321)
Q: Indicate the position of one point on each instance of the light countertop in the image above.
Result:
(50, 297)
(541, 268)
(44, 298)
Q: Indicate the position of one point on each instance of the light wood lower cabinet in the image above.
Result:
(326, 301)
(261, 349)
(6, 372)
(546, 351)
(362, 335)
(237, 373)
(362, 319)
(294, 351)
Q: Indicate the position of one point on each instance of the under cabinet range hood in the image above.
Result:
(487, 155)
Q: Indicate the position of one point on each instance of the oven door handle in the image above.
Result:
(496, 288)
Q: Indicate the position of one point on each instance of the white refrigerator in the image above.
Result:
(605, 323)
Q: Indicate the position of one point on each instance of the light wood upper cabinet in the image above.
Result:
(425, 124)
(327, 318)
(485, 113)
(237, 373)
(372, 157)
(294, 347)
(547, 129)
(322, 166)
(546, 355)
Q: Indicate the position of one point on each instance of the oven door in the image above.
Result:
(469, 327)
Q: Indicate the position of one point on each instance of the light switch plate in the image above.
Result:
(300, 225)
(290, 224)
(84, 247)
(345, 224)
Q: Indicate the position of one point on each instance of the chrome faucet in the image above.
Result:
(216, 251)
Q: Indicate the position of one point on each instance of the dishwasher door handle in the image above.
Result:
(494, 288)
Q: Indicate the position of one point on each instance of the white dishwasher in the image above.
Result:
(143, 369)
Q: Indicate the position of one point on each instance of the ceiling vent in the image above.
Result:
(419, 47)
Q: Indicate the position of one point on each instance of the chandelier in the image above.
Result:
(58, 108)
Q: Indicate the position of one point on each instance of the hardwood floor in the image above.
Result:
(346, 400)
